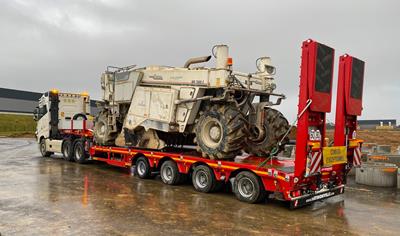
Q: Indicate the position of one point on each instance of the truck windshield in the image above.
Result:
(42, 111)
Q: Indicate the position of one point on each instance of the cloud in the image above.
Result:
(77, 17)
(67, 44)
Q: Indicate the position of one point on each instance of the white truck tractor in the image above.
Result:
(219, 110)
(63, 123)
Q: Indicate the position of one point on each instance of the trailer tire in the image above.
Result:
(67, 150)
(142, 168)
(248, 187)
(169, 173)
(80, 156)
(204, 180)
(42, 147)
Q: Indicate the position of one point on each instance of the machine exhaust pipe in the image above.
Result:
(196, 60)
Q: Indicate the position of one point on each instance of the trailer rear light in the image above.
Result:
(296, 193)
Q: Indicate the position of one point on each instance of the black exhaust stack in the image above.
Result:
(54, 101)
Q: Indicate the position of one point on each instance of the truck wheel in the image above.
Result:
(80, 155)
(142, 168)
(170, 174)
(248, 188)
(67, 150)
(42, 147)
(204, 180)
(220, 132)
(274, 128)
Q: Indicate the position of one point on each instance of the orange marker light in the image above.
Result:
(229, 61)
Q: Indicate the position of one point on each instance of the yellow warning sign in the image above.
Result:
(334, 155)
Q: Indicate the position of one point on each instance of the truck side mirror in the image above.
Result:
(36, 114)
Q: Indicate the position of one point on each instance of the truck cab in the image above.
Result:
(61, 117)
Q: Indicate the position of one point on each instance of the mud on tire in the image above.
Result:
(220, 132)
(102, 132)
(275, 127)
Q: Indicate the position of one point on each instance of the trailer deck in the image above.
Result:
(277, 174)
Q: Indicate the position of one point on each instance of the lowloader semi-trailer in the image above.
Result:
(313, 172)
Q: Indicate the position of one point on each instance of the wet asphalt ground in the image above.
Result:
(49, 196)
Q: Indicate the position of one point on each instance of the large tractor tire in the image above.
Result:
(220, 132)
(102, 132)
(274, 128)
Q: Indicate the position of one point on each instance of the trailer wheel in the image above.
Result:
(204, 180)
(170, 174)
(80, 155)
(248, 187)
(42, 147)
(142, 168)
(67, 150)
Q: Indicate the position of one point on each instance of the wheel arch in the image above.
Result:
(136, 156)
(217, 175)
(198, 163)
(162, 160)
(234, 173)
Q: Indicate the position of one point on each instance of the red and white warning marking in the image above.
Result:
(315, 164)
(357, 157)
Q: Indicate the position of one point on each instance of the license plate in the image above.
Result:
(334, 155)
(303, 201)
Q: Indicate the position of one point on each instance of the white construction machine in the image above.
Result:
(219, 110)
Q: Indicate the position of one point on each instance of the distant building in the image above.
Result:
(24, 102)
(377, 124)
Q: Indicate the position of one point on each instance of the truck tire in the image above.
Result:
(102, 132)
(67, 150)
(142, 168)
(170, 174)
(248, 187)
(42, 147)
(80, 155)
(220, 132)
(275, 126)
(204, 180)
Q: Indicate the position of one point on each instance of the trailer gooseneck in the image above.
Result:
(317, 171)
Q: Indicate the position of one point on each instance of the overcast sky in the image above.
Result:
(67, 44)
